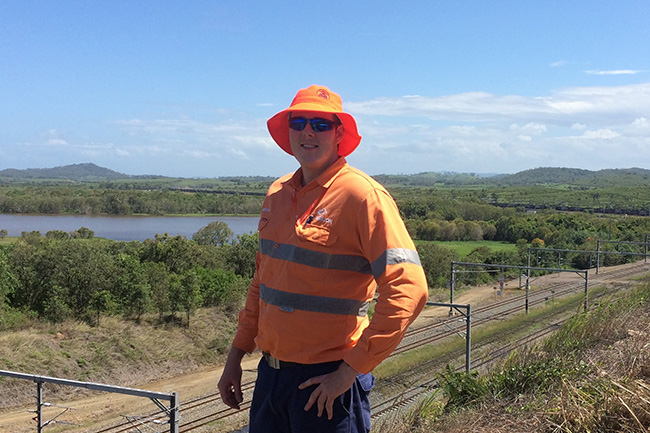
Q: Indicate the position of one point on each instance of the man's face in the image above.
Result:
(315, 151)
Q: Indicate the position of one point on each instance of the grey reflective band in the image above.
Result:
(394, 256)
(289, 302)
(303, 256)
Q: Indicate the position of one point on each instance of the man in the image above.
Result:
(330, 236)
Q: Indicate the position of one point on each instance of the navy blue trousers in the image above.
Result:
(278, 405)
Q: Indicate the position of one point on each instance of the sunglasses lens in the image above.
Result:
(298, 123)
(320, 125)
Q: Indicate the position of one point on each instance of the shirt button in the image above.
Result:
(277, 245)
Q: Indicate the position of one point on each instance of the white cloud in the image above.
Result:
(579, 126)
(614, 72)
(558, 64)
(56, 141)
(606, 134)
(565, 106)
(239, 153)
(531, 128)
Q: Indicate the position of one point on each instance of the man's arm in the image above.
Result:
(401, 282)
(230, 382)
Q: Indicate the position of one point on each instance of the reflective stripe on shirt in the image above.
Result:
(303, 256)
(394, 256)
(287, 301)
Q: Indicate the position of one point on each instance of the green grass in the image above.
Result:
(463, 248)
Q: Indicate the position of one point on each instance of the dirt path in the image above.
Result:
(103, 408)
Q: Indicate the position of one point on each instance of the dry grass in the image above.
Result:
(118, 352)
(600, 382)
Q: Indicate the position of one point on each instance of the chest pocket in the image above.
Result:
(317, 234)
(264, 220)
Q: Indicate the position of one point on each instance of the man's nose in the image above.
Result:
(309, 130)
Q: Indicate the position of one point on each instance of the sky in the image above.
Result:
(184, 89)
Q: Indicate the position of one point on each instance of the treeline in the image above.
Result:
(436, 218)
(245, 196)
(84, 200)
(60, 276)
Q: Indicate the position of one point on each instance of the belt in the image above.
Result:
(277, 364)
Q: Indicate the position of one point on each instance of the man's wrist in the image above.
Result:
(348, 369)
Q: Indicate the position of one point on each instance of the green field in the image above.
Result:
(463, 248)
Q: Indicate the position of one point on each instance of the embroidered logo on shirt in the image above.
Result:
(320, 216)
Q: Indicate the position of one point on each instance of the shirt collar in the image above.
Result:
(324, 180)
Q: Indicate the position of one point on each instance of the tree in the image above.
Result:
(241, 254)
(436, 262)
(158, 280)
(32, 238)
(216, 233)
(190, 293)
(177, 252)
(8, 282)
(82, 233)
(101, 302)
(132, 286)
(219, 288)
(57, 234)
(55, 308)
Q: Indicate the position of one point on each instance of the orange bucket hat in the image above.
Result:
(318, 99)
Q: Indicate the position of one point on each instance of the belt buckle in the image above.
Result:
(273, 362)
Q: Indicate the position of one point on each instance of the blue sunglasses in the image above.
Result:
(317, 124)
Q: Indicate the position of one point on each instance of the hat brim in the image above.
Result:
(278, 126)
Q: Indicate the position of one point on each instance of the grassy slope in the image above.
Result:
(117, 352)
(593, 375)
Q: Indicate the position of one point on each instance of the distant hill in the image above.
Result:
(575, 176)
(86, 172)
(537, 176)
(633, 177)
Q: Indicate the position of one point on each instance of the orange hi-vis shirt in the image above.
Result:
(324, 250)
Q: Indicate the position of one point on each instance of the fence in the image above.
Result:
(172, 398)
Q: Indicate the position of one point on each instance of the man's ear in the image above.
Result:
(340, 131)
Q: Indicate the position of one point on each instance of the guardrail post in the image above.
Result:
(174, 415)
(452, 286)
(586, 288)
(527, 280)
(468, 339)
(39, 406)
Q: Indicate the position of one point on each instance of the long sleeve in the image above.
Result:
(401, 283)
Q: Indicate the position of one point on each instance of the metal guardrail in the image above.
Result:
(172, 398)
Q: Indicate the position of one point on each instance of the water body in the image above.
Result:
(122, 228)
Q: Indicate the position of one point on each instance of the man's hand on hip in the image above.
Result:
(330, 386)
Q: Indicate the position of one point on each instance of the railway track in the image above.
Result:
(206, 413)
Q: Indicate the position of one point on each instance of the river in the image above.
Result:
(122, 228)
